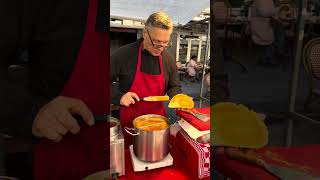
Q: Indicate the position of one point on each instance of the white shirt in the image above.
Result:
(191, 67)
(260, 15)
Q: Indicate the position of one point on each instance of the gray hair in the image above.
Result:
(159, 20)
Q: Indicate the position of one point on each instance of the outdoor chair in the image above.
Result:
(311, 61)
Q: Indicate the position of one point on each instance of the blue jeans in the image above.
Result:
(269, 53)
(278, 46)
(280, 39)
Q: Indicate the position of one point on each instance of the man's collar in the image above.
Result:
(145, 51)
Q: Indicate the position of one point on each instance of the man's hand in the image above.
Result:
(129, 98)
(55, 118)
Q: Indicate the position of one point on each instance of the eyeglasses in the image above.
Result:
(158, 46)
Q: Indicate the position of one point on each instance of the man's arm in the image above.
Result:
(16, 101)
(52, 56)
(57, 35)
(115, 68)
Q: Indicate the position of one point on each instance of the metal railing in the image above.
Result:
(204, 70)
(293, 115)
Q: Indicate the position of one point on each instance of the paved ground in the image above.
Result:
(267, 90)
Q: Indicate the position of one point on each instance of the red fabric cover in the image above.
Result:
(75, 157)
(197, 123)
(304, 156)
(177, 171)
(89, 80)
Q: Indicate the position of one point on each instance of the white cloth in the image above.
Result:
(191, 67)
(260, 15)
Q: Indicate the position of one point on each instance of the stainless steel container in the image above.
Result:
(114, 127)
(117, 161)
(150, 146)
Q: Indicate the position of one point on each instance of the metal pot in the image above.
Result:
(117, 158)
(150, 146)
(114, 127)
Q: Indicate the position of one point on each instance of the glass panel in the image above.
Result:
(183, 50)
(203, 51)
(194, 48)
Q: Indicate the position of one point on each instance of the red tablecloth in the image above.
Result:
(75, 157)
(307, 156)
(176, 171)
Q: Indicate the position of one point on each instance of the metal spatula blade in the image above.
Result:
(202, 117)
(155, 98)
(289, 174)
(282, 172)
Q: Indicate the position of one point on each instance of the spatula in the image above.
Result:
(152, 99)
(284, 173)
(155, 98)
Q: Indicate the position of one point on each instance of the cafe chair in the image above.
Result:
(311, 61)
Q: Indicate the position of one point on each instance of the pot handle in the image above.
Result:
(131, 129)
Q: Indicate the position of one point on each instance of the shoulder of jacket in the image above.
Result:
(168, 56)
(126, 49)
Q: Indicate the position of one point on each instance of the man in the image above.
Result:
(261, 28)
(64, 48)
(192, 71)
(144, 68)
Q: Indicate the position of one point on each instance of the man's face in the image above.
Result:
(156, 40)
